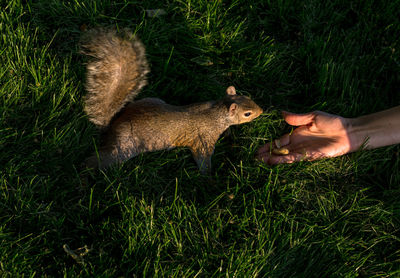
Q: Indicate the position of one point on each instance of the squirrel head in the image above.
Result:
(241, 109)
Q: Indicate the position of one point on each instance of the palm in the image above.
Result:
(318, 135)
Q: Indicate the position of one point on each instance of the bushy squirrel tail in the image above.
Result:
(116, 72)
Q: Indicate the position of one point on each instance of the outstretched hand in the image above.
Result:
(318, 135)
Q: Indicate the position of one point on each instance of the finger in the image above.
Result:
(264, 149)
(298, 119)
(284, 140)
(290, 158)
(272, 159)
(264, 157)
(277, 143)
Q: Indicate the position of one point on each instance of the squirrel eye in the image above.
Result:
(247, 114)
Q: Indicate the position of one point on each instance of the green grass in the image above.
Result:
(155, 216)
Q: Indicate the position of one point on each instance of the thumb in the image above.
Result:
(298, 119)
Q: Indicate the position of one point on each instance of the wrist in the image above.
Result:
(357, 132)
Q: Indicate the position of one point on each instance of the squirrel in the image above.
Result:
(116, 73)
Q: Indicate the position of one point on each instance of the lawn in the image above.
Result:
(155, 215)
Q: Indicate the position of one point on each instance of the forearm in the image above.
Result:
(375, 130)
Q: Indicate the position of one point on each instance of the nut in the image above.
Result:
(280, 151)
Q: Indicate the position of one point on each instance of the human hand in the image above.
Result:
(318, 135)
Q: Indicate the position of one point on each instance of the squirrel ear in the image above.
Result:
(231, 91)
(232, 109)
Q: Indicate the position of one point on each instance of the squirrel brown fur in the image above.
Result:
(116, 72)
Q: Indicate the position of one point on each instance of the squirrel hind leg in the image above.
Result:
(203, 162)
(91, 162)
(104, 159)
(99, 161)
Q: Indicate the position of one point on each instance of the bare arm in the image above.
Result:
(376, 130)
(320, 135)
